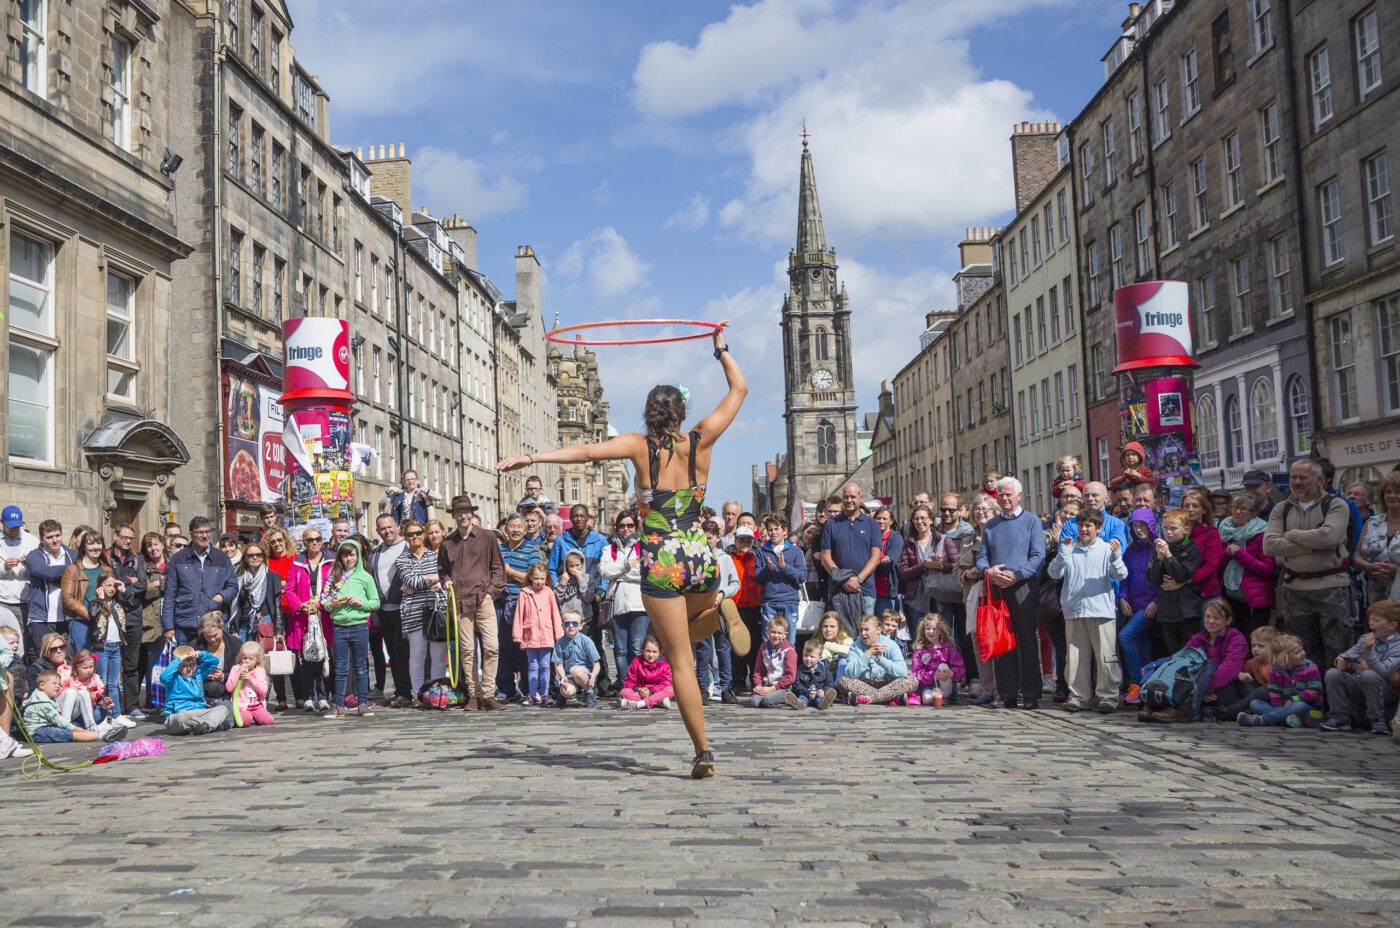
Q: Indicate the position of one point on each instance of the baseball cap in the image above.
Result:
(1253, 478)
(743, 531)
(12, 517)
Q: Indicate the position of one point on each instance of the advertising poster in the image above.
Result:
(254, 454)
(1152, 325)
(317, 431)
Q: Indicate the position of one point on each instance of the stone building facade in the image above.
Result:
(977, 344)
(1348, 92)
(1039, 277)
(923, 413)
(583, 419)
(90, 249)
(884, 464)
(820, 400)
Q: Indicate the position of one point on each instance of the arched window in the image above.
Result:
(823, 348)
(1207, 432)
(1263, 419)
(1300, 416)
(826, 443)
(1235, 430)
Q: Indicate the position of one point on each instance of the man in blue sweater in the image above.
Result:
(1013, 548)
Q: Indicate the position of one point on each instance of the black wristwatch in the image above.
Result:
(720, 350)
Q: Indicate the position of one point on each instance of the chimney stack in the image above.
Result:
(527, 281)
(1034, 161)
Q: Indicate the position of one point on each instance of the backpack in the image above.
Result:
(441, 694)
(1178, 682)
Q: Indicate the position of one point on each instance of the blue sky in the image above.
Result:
(649, 152)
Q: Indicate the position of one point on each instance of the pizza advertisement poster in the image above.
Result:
(254, 455)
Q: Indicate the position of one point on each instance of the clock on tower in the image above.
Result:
(820, 401)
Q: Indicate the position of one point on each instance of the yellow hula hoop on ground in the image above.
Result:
(454, 653)
(31, 768)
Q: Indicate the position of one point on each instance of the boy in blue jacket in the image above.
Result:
(186, 712)
(812, 686)
(781, 569)
(1087, 570)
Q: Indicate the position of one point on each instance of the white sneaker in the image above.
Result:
(124, 721)
(667, 703)
(715, 697)
(109, 732)
(21, 751)
(624, 703)
(7, 745)
(324, 705)
(310, 705)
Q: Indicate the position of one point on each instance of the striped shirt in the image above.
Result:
(520, 558)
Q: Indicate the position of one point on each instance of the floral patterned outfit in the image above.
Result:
(676, 555)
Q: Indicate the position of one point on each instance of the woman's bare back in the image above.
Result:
(673, 471)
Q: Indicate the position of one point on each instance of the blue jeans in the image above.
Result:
(1275, 715)
(868, 602)
(511, 657)
(537, 672)
(79, 631)
(51, 734)
(109, 668)
(885, 602)
(1135, 646)
(787, 611)
(716, 644)
(351, 643)
(629, 633)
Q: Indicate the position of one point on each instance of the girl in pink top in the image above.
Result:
(648, 681)
(250, 701)
(536, 627)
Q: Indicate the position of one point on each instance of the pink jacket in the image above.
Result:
(924, 664)
(1212, 566)
(655, 675)
(537, 622)
(253, 695)
(1257, 584)
(298, 591)
(94, 685)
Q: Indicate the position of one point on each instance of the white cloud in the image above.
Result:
(603, 193)
(605, 262)
(909, 138)
(446, 182)
(691, 216)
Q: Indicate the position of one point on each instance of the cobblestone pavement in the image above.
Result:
(537, 818)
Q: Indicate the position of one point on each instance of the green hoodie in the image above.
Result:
(359, 584)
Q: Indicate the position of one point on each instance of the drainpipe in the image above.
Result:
(400, 299)
(217, 257)
(1300, 201)
(496, 405)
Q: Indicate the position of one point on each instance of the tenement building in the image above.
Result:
(1038, 273)
(583, 419)
(526, 388)
(1348, 123)
(89, 250)
(820, 399)
(975, 344)
(1107, 150)
(923, 413)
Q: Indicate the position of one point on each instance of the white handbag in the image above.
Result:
(809, 614)
(279, 663)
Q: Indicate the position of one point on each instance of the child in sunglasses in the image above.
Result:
(576, 664)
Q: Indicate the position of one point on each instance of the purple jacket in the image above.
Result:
(1228, 653)
(1137, 589)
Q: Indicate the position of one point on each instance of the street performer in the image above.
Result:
(679, 570)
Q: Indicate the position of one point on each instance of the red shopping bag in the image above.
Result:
(994, 635)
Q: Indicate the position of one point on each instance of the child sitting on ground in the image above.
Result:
(835, 643)
(535, 627)
(1358, 690)
(875, 669)
(9, 647)
(83, 696)
(1254, 678)
(46, 725)
(249, 699)
(812, 685)
(576, 663)
(1295, 688)
(1067, 473)
(775, 667)
(186, 712)
(648, 681)
(891, 624)
(936, 663)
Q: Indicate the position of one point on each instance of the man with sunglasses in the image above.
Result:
(198, 579)
(470, 561)
(129, 568)
(518, 556)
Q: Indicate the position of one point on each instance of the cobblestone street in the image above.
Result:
(540, 818)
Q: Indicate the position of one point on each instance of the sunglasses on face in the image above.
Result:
(178, 546)
(627, 525)
(948, 509)
(413, 534)
(254, 554)
(571, 625)
(312, 541)
(58, 647)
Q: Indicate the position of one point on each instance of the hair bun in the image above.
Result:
(664, 411)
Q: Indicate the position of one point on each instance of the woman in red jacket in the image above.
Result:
(1196, 502)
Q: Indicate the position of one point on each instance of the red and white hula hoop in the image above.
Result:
(555, 335)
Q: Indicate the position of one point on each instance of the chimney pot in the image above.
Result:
(401, 154)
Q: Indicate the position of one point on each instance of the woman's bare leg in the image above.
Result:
(670, 619)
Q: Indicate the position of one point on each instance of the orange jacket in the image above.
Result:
(750, 590)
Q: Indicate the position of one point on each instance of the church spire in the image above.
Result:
(811, 234)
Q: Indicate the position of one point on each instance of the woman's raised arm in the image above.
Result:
(712, 426)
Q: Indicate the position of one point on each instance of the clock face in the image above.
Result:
(822, 379)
